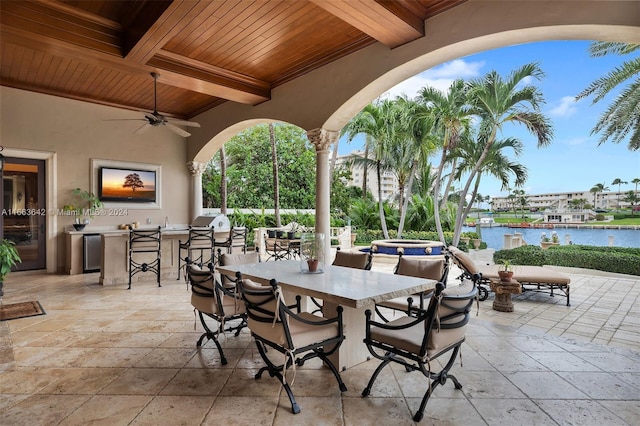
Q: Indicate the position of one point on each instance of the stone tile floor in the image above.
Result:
(107, 355)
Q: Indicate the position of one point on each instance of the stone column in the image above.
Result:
(322, 139)
(196, 170)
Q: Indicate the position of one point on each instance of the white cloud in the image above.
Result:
(439, 77)
(565, 108)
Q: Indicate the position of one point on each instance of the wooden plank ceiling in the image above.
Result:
(206, 52)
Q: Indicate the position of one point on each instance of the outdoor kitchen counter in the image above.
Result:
(115, 254)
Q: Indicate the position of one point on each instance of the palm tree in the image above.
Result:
(418, 143)
(497, 101)
(598, 187)
(495, 163)
(636, 181)
(622, 117)
(632, 198)
(618, 181)
(450, 116)
(380, 121)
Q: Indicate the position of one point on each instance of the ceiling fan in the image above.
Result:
(155, 119)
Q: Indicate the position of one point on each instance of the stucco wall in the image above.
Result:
(75, 132)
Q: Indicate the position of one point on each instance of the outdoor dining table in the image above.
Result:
(355, 290)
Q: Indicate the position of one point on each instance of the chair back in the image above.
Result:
(463, 261)
(356, 260)
(227, 259)
(448, 315)
(433, 269)
(209, 297)
(144, 240)
(238, 236)
(200, 237)
(266, 316)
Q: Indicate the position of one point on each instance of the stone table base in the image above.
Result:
(503, 291)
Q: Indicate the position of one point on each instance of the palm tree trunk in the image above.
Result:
(473, 196)
(436, 192)
(276, 183)
(447, 188)
(472, 175)
(223, 181)
(383, 220)
(364, 169)
(405, 204)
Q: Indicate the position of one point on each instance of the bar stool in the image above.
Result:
(144, 252)
(201, 240)
(237, 238)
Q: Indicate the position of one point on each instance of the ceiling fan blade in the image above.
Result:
(125, 119)
(184, 123)
(143, 129)
(178, 130)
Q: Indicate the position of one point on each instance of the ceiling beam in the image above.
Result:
(389, 22)
(190, 74)
(156, 24)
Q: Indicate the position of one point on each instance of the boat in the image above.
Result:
(487, 222)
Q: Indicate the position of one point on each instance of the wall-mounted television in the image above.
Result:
(128, 185)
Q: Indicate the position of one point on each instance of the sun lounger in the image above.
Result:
(531, 278)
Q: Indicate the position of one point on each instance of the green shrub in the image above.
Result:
(622, 260)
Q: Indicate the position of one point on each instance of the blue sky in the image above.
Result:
(573, 161)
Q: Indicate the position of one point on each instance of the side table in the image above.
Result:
(503, 291)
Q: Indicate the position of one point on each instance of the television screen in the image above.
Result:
(126, 185)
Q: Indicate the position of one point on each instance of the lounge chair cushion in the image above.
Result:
(528, 274)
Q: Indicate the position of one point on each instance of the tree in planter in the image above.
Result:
(8, 259)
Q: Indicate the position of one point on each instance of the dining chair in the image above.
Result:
(197, 249)
(416, 342)
(433, 269)
(144, 252)
(299, 336)
(277, 249)
(221, 303)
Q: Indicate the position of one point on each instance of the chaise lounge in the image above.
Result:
(531, 278)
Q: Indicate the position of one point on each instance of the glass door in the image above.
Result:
(23, 219)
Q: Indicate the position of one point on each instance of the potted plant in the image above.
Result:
(8, 258)
(505, 272)
(312, 252)
(546, 242)
(85, 205)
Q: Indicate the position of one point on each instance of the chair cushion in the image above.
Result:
(239, 259)
(208, 305)
(351, 260)
(301, 334)
(421, 268)
(410, 339)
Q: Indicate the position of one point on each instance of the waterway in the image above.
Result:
(494, 237)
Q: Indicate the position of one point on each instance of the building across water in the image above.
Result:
(561, 201)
